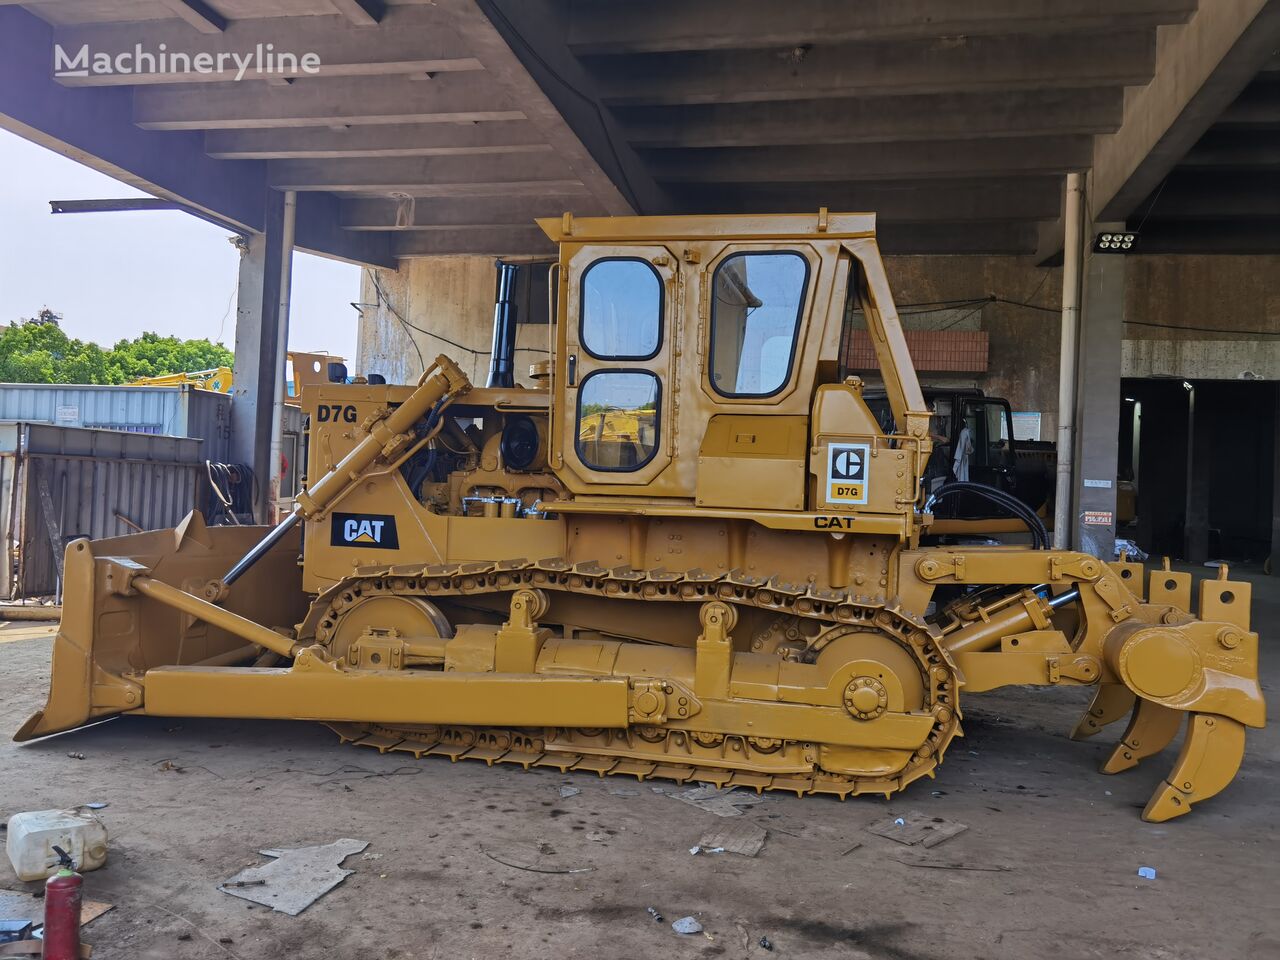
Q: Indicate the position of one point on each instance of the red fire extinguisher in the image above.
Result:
(62, 896)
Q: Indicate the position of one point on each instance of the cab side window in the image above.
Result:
(757, 299)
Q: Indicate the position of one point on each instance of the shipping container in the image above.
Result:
(59, 483)
(180, 411)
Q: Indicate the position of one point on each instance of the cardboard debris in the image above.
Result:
(296, 878)
(744, 838)
(917, 827)
(15, 905)
(723, 802)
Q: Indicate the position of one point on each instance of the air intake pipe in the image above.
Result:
(502, 366)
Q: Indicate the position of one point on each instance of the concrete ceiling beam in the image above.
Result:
(449, 98)
(521, 44)
(1235, 149)
(1002, 198)
(873, 161)
(1193, 195)
(197, 14)
(486, 241)
(1013, 239)
(1211, 236)
(408, 173)
(446, 213)
(362, 13)
(942, 116)
(1201, 67)
(1257, 106)
(410, 40)
(949, 65)
(95, 128)
(676, 25)
(410, 140)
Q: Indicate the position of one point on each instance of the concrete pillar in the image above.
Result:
(1275, 492)
(435, 305)
(257, 329)
(1195, 529)
(1098, 399)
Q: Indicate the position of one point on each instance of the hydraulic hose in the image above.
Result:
(1006, 501)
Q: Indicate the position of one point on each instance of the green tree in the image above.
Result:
(152, 355)
(39, 351)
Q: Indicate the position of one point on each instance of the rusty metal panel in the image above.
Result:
(99, 483)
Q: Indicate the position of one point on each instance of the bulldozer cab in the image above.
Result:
(696, 360)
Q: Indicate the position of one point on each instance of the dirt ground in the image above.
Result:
(1060, 846)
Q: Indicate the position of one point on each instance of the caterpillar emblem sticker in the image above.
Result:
(364, 530)
(847, 472)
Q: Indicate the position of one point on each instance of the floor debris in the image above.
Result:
(745, 839)
(954, 865)
(723, 802)
(686, 925)
(657, 917)
(766, 943)
(11, 931)
(15, 905)
(1147, 873)
(569, 791)
(624, 792)
(533, 867)
(916, 827)
(296, 878)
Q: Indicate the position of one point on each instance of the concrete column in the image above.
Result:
(257, 331)
(1275, 493)
(1098, 400)
(1195, 529)
(435, 305)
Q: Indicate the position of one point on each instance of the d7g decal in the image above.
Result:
(364, 530)
(847, 472)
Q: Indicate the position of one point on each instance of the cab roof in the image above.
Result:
(779, 226)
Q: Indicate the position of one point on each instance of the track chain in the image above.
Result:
(653, 752)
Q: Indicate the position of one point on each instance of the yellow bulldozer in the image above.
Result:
(689, 552)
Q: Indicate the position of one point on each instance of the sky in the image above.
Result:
(114, 276)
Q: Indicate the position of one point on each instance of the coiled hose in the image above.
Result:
(1006, 501)
(232, 486)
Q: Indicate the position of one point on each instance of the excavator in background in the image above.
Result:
(690, 552)
(216, 379)
(303, 369)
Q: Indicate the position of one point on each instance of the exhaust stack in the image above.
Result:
(503, 363)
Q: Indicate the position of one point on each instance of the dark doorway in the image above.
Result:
(1229, 428)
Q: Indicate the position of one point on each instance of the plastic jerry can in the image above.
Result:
(32, 836)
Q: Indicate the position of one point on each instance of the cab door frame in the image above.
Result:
(575, 363)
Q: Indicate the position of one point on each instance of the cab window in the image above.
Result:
(618, 419)
(755, 321)
(621, 310)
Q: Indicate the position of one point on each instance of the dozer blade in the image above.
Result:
(1208, 761)
(1151, 728)
(107, 641)
(1110, 702)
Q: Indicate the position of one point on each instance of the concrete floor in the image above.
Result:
(1033, 800)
